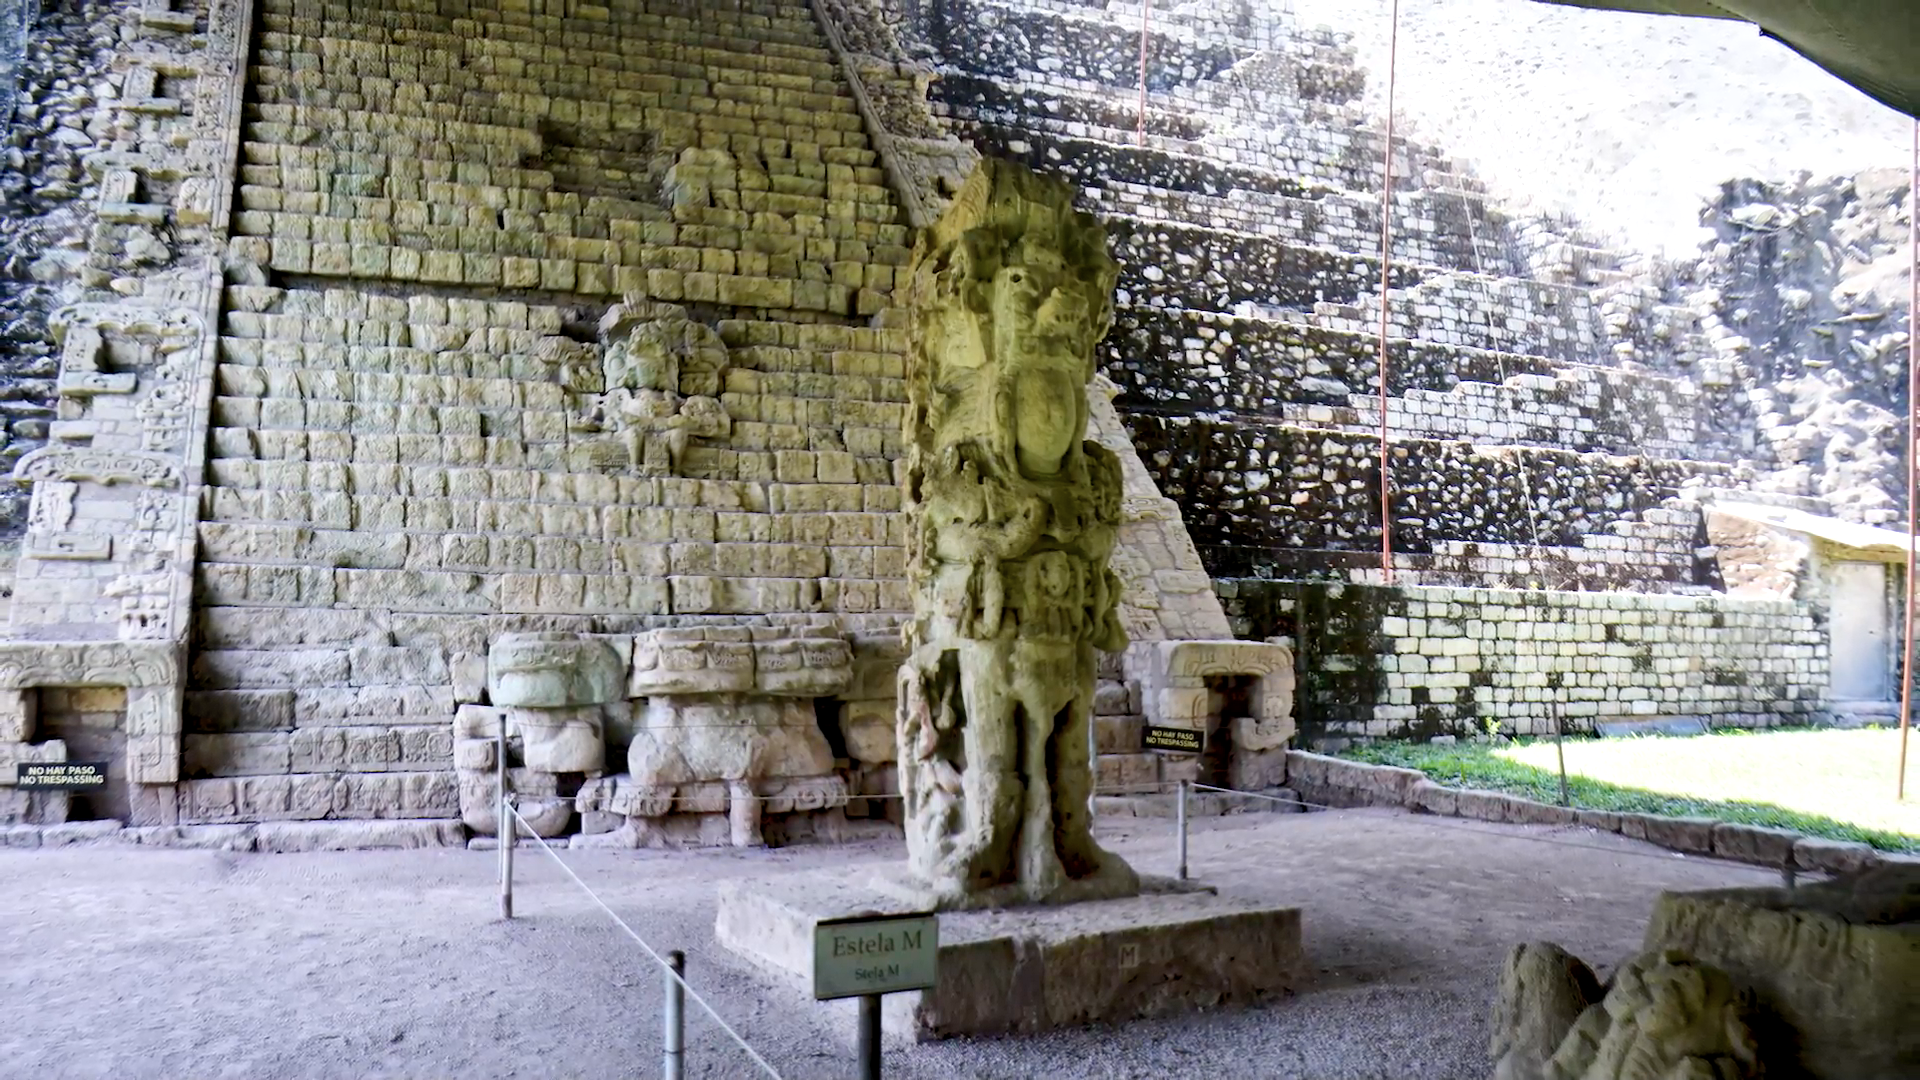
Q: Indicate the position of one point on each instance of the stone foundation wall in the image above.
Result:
(1415, 662)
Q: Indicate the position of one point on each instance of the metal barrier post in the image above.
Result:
(1180, 818)
(675, 1038)
(504, 828)
(869, 1052)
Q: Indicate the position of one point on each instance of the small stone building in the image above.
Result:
(1853, 574)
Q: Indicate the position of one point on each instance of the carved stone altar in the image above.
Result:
(720, 736)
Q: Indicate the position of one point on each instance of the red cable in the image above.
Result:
(1146, 7)
(1386, 261)
(1913, 459)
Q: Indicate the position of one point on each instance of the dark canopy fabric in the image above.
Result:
(1873, 44)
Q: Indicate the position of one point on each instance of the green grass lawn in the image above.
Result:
(1838, 784)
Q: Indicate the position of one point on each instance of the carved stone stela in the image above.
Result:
(1013, 516)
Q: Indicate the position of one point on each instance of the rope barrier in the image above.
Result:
(640, 941)
(1146, 7)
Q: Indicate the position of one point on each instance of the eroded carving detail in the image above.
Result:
(100, 466)
(1013, 517)
(657, 391)
(1664, 1016)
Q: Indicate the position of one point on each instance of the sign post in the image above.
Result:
(868, 956)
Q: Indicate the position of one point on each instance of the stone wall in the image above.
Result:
(1415, 662)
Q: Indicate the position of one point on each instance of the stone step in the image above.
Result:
(789, 468)
(348, 169)
(588, 278)
(457, 92)
(493, 31)
(344, 317)
(422, 393)
(527, 550)
(680, 122)
(473, 406)
(688, 517)
(726, 511)
(532, 234)
(540, 592)
(244, 458)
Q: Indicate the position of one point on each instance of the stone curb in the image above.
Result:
(274, 836)
(1338, 782)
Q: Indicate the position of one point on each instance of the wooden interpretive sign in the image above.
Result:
(858, 956)
(60, 775)
(1177, 740)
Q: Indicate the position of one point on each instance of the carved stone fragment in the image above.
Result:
(1543, 990)
(554, 670)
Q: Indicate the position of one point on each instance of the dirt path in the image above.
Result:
(131, 963)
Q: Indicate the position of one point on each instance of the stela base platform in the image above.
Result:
(1174, 948)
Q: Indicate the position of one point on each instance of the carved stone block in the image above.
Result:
(554, 670)
(18, 709)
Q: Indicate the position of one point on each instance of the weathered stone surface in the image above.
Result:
(554, 670)
(1665, 1014)
(1433, 798)
(1603, 820)
(1482, 805)
(688, 739)
(1692, 835)
(204, 837)
(1529, 812)
(75, 833)
(1754, 844)
(867, 729)
(1833, 856)
(560, 740)
(1543, 990)
(1035, 969)
(1838, 964)
(280, 836)
(247, 754)
(1339, 782)
(1011, 290)
(240, 710)
(17, 711)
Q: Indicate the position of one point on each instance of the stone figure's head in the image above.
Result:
(1011, 290)
(653, 346)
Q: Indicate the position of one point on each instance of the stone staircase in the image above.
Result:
(555, 318)
(416, 447)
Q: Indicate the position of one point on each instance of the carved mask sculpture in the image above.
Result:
(1014, 515)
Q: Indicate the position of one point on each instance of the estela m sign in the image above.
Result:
(884, 955)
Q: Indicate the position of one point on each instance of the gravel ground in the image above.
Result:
(1627, 121)
(151, 963)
